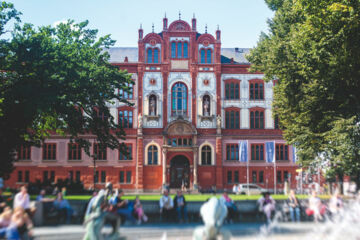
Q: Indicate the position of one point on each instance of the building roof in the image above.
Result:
(228, 55)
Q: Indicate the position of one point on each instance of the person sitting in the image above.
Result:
(62, 205)
(294, 206)
(335, 203)
(267, 205)
(22, 199)
(235, 189)
(316, 208)
(5, 220)
(180, 206)
(231, 207)
(122, 207)
(166, 205)
(139, 212)
(2, 201)
(20, 225)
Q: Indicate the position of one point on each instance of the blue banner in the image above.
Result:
(243, 151)
(294, 155)
(270, 152)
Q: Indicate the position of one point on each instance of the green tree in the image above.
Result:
(56, 80)
(313, 49)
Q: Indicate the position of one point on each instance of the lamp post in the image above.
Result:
(94, 166)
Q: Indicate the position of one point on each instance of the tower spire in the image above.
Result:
(206, 28)
(153, 27)
(179, 15)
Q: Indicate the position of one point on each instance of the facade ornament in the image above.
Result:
(206, 107)
(218, 121)
(140, 121)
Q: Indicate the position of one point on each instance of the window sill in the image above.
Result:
(209, 118)
(152, 117)
(23, 160)
(49, 160)
(130, 160)
(125, 183)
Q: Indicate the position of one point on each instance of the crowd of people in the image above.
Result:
(16, 223)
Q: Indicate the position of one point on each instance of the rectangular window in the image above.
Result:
(257, 152)
(257, 91)
(77, 176)
(276, 122)
(257, 119)
(27, 176)
(229, 177)
(128, 177)
(20, 176)
(74, 151)
(286, 176)
(282, 152)
(52, 176)
(71, 176)
(24, 153)
(49, 151)
(97, 177)
(173, 50)
(128, 155)
(261, 177)
(278, 177)
(99, 152)
(254, 176)
(128, 93)
(236, 176)
(103, 176)
(232, 152)
(232, 119)
(232, 90)
(125, 119)
(45, 176)
(121, 177)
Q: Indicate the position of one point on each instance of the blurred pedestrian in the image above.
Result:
(64, 208)
(294, 206)
(166, 205)
(335, 203)
(180, 206)
(267, 205)
(139, 212)
(230, 205)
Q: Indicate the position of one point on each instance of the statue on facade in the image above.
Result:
(140, 121)
(206, 107)
(152, 106)
(213, 213)
(97, 214)
(218, 121)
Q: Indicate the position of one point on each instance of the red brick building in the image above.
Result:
(199, 118)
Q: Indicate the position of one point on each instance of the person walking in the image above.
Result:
(180, 206)
(294, 206)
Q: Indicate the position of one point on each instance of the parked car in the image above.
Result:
(251, 188)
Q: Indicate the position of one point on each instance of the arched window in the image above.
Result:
(152, 105)
(179, 99)
(186, 50)
(206, 105)
(173, 50)
(202, 56)
(232, 118)
(206, 155)
(179, 50)
(208, 56)
(156, 55)
(152, 155)
(149, 55)
(256, 119)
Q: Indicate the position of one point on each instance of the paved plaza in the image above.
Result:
(246, 231)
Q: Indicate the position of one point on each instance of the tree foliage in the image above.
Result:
(56, 80)
(313, 49)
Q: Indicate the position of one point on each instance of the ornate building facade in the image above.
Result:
(199, 118)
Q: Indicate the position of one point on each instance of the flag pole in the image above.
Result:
(275, 178)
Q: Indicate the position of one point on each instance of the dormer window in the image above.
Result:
(205, 55)
(152, 55)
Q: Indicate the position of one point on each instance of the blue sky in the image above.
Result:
(241, 21)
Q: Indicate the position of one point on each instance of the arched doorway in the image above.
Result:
(179, 172)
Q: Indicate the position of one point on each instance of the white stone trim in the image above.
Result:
(206, 143)
(159, 153)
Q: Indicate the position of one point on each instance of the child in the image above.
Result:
(139, 211)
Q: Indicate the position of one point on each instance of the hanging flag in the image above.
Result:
(243, 151)
(270, 152)
(294, 155)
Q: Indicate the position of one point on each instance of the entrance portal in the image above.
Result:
(179, 172)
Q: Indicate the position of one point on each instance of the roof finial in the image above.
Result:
(193, 15)
(179, 15)
(218, 27)
(153, 27)
(206, 28)
(165, 14)
(140, 25)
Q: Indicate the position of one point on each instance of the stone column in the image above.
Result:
(164, 151)
(195, 168)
